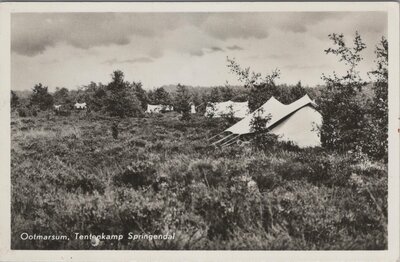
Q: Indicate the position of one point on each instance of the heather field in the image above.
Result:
(161, 175)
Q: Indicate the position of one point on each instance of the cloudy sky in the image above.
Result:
(72, 49)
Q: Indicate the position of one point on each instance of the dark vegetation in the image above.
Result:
(114, 169)
(161, 175)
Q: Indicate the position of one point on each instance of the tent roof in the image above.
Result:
(275, 109)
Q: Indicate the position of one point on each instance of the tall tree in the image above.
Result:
(214, 95)
(261, 89)
(344, 122)
(161, 97)
(183, 101)
(95, 96)
(378, 139)
(141, 94)
(121, 99)
(297, 91)
(226, 93)
(41, 97)
(61, 96)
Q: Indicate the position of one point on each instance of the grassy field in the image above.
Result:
(161, 176)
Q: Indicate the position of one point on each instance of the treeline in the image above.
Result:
(129, 99)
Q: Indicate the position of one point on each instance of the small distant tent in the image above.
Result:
(238, 109)
(297, 122)
(192, 109)
(80, 105)
(159, 108)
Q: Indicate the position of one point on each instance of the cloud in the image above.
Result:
(196, 52)
(238, 25)
(278, 56)
(234, 47)
(208, 50)
(33, 33)
(129, 61)
(216, 49)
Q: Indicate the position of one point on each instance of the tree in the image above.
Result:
(41, 97)
(378, 139)
(141, 94)
(262, 139)
(344, 122)
(214, 95)
(229, 116)
(182, 101)
(297, 91)
(96, 96)
(226, 93)
(14, 100)
(61, 96)
(261, 89)
(121, 99)
(161, 97)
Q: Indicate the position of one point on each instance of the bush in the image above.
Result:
(137, 174)
(267, 180)
(207, 172)
(63, 112)
(22, 112)
(27, 112)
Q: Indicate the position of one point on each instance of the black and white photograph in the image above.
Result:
(200, 130)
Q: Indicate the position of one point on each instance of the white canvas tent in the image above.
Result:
(80, 105)
(296, 122)
(239, 109)
(159, 108)
(192, 109)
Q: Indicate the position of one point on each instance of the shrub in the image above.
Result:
(138, 174)
(292, 170)
(114, 130)
(63, 112)
(22, 112)
(267, 180)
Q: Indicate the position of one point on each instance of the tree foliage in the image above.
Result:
(96, 95)
(121, 99)
(182, 101)
(262, 139)
(261, 88)
(41, 98)
(345, 114)
(160, 97)
(378, 139)
(14, 100)
(61, 96)
(297, 92)
(141, 94)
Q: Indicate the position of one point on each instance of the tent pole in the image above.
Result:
(216, 142)
(231, 143)
(230, 140)
(215, 135)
